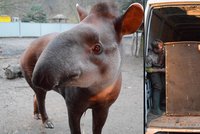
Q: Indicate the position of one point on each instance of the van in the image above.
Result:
(177, 24)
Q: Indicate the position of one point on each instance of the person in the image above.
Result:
(155, 68)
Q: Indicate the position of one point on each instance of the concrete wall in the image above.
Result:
(19, 29)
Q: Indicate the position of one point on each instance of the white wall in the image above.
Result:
(20, 29)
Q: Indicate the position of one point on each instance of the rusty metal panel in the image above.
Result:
(182, 78)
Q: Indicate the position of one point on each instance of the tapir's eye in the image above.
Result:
(97, 49)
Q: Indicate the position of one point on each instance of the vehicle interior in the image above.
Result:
(177, 26)
(178, 23)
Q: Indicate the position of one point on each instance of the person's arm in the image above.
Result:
(154, 70)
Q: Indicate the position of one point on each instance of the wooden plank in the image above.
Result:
(182, 78)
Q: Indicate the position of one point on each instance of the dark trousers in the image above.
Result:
(158, 84)
(157, 81)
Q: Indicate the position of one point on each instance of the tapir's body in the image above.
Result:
(82, 64)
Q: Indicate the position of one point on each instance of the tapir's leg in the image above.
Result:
(39, 100)
(41, 95)
(36, 112)
(99, 117)
(74, 116)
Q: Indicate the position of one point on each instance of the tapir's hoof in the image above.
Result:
(37, 116)
(48, 124)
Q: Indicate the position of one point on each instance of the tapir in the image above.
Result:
(82, 64)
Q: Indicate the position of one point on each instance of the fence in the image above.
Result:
(20, 29)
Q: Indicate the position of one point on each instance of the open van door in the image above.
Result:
(177, 24)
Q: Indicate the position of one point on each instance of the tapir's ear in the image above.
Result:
(132, 19)
(81, 12)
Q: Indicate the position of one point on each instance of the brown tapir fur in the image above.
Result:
(82, 64)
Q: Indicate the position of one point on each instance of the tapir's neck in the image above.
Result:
(96, 89)
(109, 93)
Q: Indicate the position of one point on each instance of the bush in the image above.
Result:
(125, 4)
(36, 14)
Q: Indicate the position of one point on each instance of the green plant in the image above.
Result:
(36, 14)
(125, 4)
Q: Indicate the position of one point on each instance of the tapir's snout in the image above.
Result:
(55, 67)
(42, 78)
(49, 79)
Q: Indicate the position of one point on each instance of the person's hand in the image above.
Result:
(162, 70)
(154, 70)
(149, 70)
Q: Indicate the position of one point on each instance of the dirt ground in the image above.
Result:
(16, 99)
